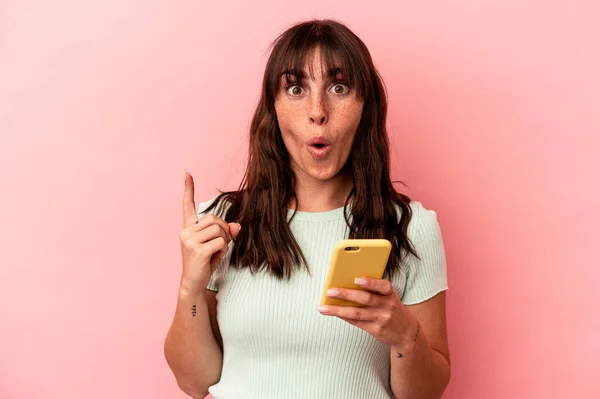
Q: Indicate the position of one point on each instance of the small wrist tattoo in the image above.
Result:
(418, 330)
(194, 310)
(400, 355)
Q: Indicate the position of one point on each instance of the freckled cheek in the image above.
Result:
(349, 107)
(349, 115)
(287, 124)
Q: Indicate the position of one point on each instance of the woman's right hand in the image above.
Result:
(204, 241)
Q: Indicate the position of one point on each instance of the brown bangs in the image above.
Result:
(338, 51)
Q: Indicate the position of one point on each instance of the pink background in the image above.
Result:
(494, 117)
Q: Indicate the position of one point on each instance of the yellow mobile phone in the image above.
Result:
(355, 258)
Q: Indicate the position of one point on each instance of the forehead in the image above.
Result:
(304, 74)
(317, 60)
(314, 64)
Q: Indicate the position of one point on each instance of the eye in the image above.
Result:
(294, 90)
(344, 89)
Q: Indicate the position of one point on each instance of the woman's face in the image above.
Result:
(318, 121)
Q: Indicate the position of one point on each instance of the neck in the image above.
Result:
(322, 195)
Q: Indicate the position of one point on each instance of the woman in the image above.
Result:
(247, 323)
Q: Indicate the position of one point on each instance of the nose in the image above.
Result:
(317, 110)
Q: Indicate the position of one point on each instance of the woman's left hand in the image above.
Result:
(383, 314)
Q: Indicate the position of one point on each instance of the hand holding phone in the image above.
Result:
(354, 258)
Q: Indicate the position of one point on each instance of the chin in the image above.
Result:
(323, 171)
(323, 174)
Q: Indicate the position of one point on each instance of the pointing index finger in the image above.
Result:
(189, 207)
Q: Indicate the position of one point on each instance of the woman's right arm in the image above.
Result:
(193, 346)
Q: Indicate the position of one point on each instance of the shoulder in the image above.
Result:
(426, 274)
(423, 229)
(422, 218)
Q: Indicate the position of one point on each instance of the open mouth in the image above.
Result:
(319, 151)
(319, 147)
(319, 142)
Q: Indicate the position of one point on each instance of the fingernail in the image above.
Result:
(333, 292)
(360, 281)
(323, 308)
(239, 225)
(185, 174)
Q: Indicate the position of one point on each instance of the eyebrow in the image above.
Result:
(331, 73)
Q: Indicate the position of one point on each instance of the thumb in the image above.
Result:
(234, 229)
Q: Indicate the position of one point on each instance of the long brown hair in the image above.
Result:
(260, 203)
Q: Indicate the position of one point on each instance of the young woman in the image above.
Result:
(247, 323)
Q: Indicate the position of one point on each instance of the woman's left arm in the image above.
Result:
(420, 362)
